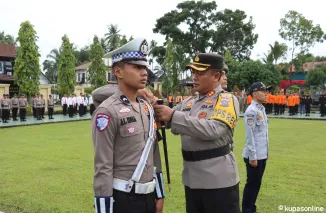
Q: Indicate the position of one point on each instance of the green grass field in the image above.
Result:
(49, 168)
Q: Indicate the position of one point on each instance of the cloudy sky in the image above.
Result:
(82, 19)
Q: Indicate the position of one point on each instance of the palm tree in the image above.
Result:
(113, 37)
(50, 65)
(6, 38)
(153, 45)
(279, 50)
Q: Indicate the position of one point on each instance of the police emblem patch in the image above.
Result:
(250, 121)
(124, 99)
(225, 99)
(102, 121)
(144, 48)
(189, 105)
(260, 116)
(202, 115)
(146, 108)
(131, 130)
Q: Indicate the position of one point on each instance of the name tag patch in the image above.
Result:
(102, 121)
(207, 107)
(127, 120)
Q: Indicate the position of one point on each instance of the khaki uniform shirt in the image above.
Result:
(5, 103)
(23, 103)
(190, 120)
(50, 103)
(14, 102)
(120, 142)
(43, 102)
(38, 103)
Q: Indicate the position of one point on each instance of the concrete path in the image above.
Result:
(30, 120)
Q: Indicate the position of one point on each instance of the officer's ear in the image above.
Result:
(117, 69)
(217, 74)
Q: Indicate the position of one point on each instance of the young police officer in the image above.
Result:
(206, 123)
(255, 152)
(123, 133)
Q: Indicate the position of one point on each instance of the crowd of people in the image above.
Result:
(14, 107)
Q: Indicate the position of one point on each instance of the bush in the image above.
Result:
(88, 90)
(54, 90)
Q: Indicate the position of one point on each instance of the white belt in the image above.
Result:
(140, 188)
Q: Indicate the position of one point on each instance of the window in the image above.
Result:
(83, 78)
(78, 77)
(109, 76)
(1, 68)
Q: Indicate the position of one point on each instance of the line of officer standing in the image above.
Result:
(322, 104)
(13, 104)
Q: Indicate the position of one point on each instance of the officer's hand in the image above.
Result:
(253, 163)
(159, 206)
(147, 95)
(163, 113)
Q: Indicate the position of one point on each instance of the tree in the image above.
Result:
(301, 32)
(27, 67)
(81, 55)
(123, 40)
(316, 77)
(51, 64)
(278, 50)
(208, 30)
(113, 37)
(6, 38)
(97, 69)
(170, 81)
(66, 68)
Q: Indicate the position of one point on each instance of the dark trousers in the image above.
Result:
(38, 113)
(85, 110)
(133, 203)
(22, 114)
(252, 187)
(224, 200)
(307, 108)
(14, 113)
(71, 111)
(81, 109)
(4, 115)
(50, 112)
(42, 112)
(323, 109)
(276, 109)
(91, 109)
(64, 109)
(171, 105)
(34, 112)
(75, 109)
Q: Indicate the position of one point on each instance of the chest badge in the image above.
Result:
(209, 102)
(131, 130)
(124, 110)
(202, 115)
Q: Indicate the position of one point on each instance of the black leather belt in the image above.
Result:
(205, 154)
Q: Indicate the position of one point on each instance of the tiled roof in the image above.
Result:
(7, 50)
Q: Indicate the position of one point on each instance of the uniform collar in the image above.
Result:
(211, 93)
(258, 105)
(124, 99)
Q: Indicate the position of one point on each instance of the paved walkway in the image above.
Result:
(32, 121)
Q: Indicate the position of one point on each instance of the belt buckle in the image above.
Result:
(129, 186)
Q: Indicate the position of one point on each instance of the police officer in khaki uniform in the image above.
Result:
(50, 107)
(206, 123)
(22, 107)
(38, 107)
(33, 103)
(14, 105)
(5, 104)
(123, 132)
(43, 106)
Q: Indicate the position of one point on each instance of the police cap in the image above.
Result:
(205, 61)
(133, 52)
(257, 86)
